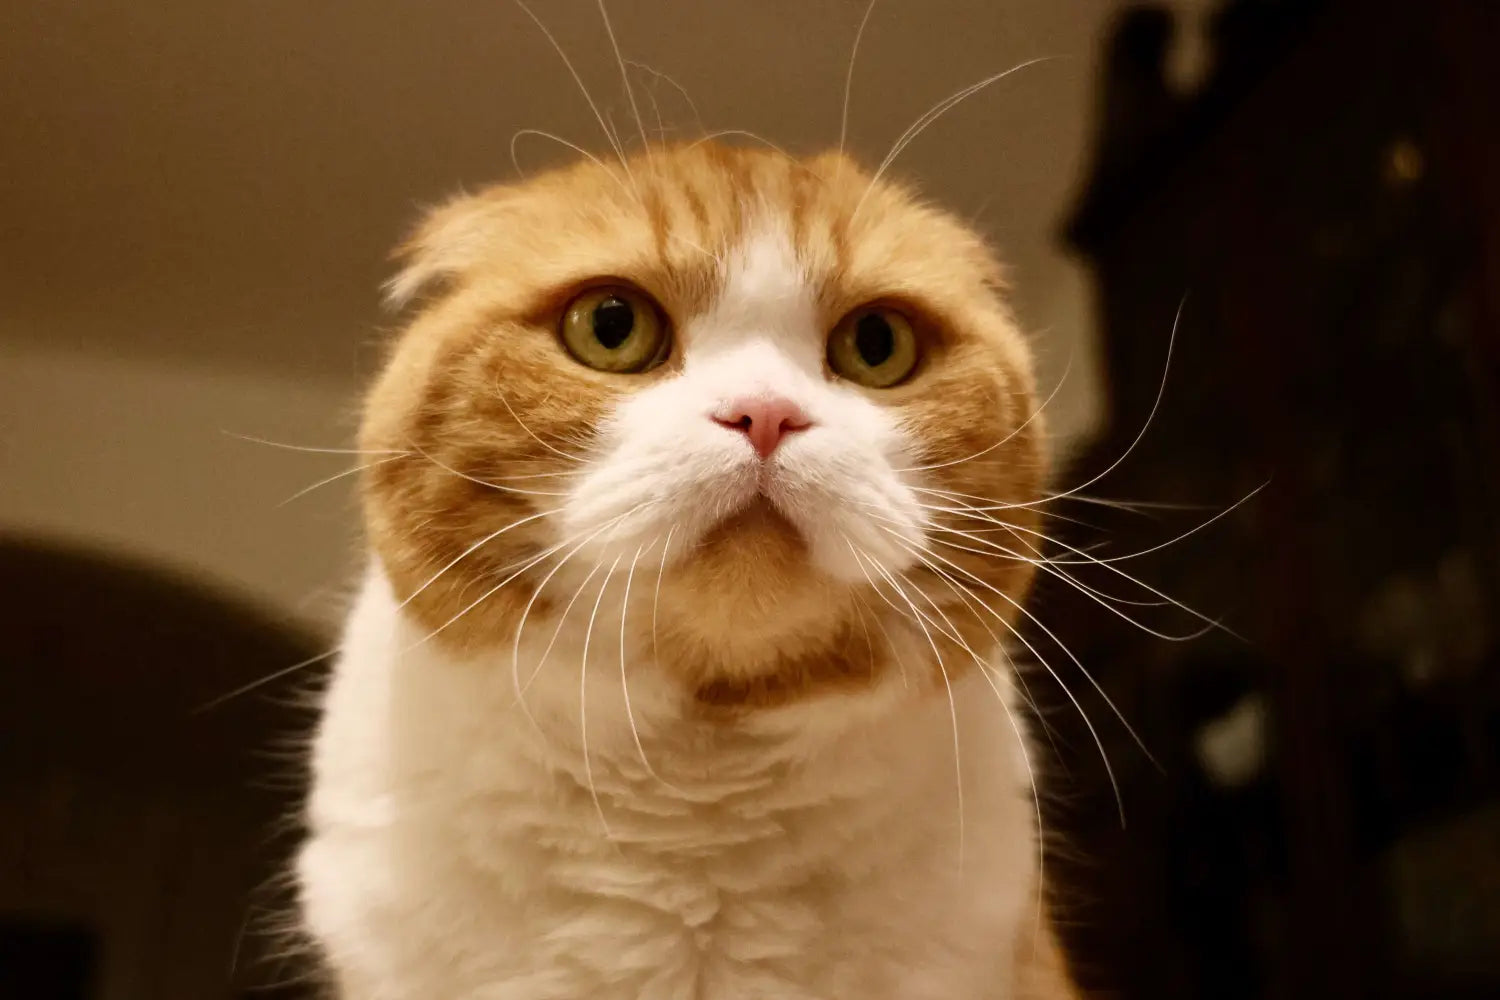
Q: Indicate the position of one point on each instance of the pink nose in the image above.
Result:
(765, 420)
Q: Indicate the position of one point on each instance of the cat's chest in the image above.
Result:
(767, 920)
(456, 854)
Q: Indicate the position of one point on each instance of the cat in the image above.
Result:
(671, 675)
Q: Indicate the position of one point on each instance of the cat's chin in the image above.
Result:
(756, 548)
(758, 521)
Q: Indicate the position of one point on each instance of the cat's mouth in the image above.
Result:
(759, 517)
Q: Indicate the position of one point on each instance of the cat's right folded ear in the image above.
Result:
(450, 240)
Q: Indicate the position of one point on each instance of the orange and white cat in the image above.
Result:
(662, 683)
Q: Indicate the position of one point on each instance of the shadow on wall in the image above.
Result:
(146, 837)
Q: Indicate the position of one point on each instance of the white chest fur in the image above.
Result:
(458, 852)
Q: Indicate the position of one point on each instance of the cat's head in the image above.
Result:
(754, 388)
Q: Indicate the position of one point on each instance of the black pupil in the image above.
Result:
(613, 320)
(874, 340)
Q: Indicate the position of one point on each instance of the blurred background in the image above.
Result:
(196, 207)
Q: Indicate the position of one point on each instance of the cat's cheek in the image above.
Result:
(656, 470)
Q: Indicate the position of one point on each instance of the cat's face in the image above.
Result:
(738, 374)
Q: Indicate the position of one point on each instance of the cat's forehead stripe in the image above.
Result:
(764, 292)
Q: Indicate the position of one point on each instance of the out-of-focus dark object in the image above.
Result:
(139, 858)
(1326, 818)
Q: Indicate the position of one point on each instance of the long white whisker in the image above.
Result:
(635, 732)
(531, 433)
(658, 74)
(969, 601)
(624, 76)
(1047, 565)
(611, 526)
(304, 491)
(890, 644)
(543, 134)
(1098, 741)
(1210, 622)
(661, 125)
(1046, 631)
(263, 681)
(1161, 390)
(483, 482)
(1169, 542)
(472, 548)
(958, 774)
(849, 74)
(583, 698)
(557, 631)
(1036, 795)
(515, 649)
(723, 132)
(522, 568)
(1018, 429)
(933, 114)
(613, 141)
(313, 450)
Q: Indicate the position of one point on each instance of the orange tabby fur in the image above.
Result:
(746, 624)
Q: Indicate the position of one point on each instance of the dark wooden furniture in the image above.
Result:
(1326, 212)
(143, 843)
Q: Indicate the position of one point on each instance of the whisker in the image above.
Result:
(522, 424)
(1161, 389)
(1018, 429)
(849, 75)
(270, 678)
(969, 601)
(661, 125)
(635, 732)
(521, 568)
(1039, 561)
(609, 526)
(1169, 542)
(483, 482)
(542, 133)
(1047, 565)
(551, 40)
(515, 652)
(889, 642)
(462, 555)
(1210, 622)
(1093, 732)
(991, 505)
(1036, 795)
(958, 774)
(624, 76)
(933, 114)
(658, 74)
(304, 491)
(556, 632)
(314, 450)
(583, 697)
(745, 134)
(656, 594)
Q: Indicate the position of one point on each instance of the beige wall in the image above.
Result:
(197, 200)
(136, 455)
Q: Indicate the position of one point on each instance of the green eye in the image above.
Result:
(615, 329)
(874, 347)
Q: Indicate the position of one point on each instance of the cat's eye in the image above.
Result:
(615, 329)
(875, 347)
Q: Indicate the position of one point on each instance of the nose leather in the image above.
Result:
(766, 420)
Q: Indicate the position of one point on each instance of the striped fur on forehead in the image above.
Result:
(499, 425)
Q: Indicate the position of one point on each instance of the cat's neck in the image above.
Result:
(539, 712)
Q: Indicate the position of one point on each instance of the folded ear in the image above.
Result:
(448, 242)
